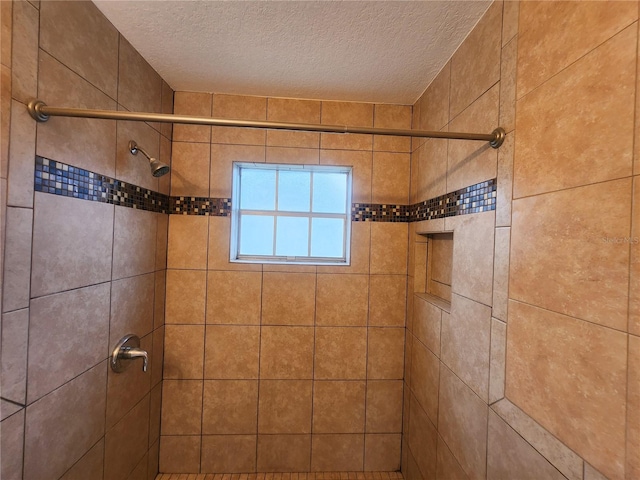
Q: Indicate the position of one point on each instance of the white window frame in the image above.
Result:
(236, 212)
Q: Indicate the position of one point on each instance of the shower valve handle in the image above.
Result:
(127, 349)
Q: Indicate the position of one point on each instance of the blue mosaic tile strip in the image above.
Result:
(59, 178)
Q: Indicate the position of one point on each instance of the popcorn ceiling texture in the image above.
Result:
(384, 52)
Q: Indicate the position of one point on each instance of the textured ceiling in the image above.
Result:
(384, 52)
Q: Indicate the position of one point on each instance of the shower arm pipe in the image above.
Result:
(41, 112)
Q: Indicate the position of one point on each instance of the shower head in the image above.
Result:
(158, 168)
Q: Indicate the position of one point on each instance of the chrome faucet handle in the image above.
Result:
(128, 348)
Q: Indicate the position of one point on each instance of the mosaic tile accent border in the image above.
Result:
(59, 178)
(215, 207)
(477, 198)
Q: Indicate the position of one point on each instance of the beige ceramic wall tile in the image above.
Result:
(286, 352)
(474, 68)
(338, 453)
(186, 291)
(135, 168)
(412, 470)
(61, 87)
(540, 345)
(448, 467)
(50, 450)
(80, 36)
(510, 14)
(296, 156)
(441, 257)
(58, 323)
(17, 259)
(131, 307)
(284, 453)
(180, 454)
(222, 158)
(230, 407)
(288, 298)
(390, 178)
(293, 111)
(473, 248)
(127, 442)
(351, 114)
(218, 255)
(387, 300)
(134, 242)
(389, 248)
(586, 268)
(11, 446)
(570, 464)
(164, 182)
(497, 360)
(570, 102)
(24, 55)
(423, 438)
(5, 118)
(382, 452)
(466, 342)
(192, 103)
(395, 117)
(21, 148)
(409, 340)
(385, 353)
(434, 104)
(431, 169)
(239, 107)
(338, 407)
(234, 297)
(509, 456)
(544, 26)
(157, 357)
(634, 279)
(228, 453)
(504, 188)
(633, 408)
(6, 13)
(285, 406)
(362, 163)
(462, 422)
(190, 169)
(155, 413)
(167, 107)
(232, 352)
(89, 466)
(360, 248)
(508, 84)
(181, 407)
(15, 339)
(162, 240)
(384, 406)
(340, 353)
(184, 351)
(425, 376)
(342, 300)
(427, 323)
(139, 86)
(473, 162)
(159, 298)
(501, 273)
(60, 255)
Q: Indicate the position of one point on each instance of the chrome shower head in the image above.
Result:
(158, 168)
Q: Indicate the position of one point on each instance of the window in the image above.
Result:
(290, 213)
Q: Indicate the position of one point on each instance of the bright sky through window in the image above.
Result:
(290, 213)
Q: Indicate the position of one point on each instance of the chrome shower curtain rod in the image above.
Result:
(41, 112)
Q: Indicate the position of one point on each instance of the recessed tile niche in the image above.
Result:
(434, 260)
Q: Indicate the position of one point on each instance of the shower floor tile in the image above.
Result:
(283, 476)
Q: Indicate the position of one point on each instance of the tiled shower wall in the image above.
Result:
(79, 275)
(533, 370)
(284, 368)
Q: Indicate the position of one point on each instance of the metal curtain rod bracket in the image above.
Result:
(41, 112)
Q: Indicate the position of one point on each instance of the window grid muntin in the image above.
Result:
(236, 256)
